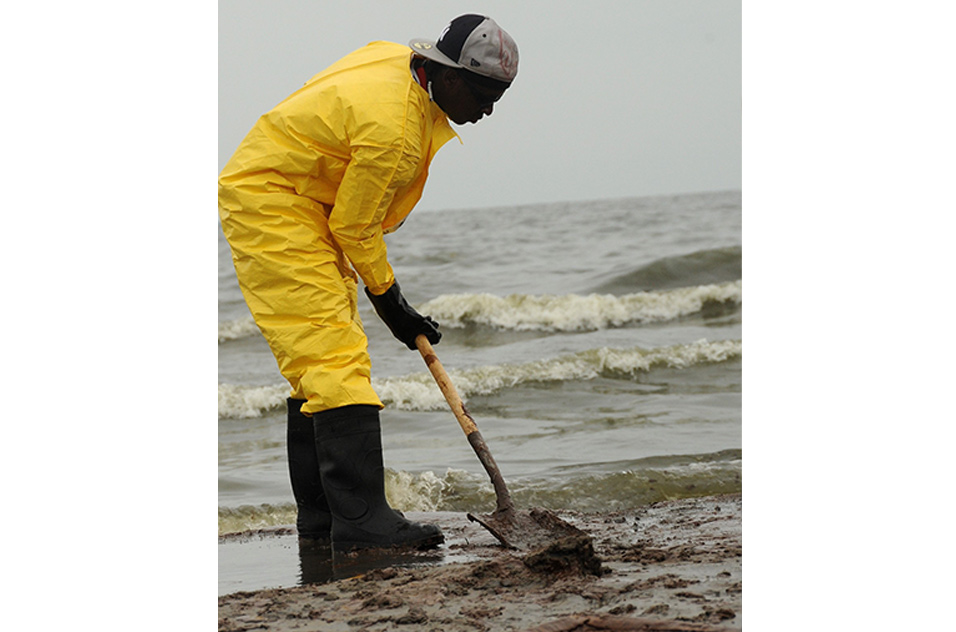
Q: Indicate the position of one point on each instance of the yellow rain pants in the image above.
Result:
(308, 196)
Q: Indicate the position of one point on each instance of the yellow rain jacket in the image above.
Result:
(309, 195)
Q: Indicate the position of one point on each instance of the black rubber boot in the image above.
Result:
(349, 443)
(314, 520)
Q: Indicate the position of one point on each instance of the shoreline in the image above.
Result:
(672, 565)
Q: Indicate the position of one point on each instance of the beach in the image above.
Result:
(670, 565)
(601, 360)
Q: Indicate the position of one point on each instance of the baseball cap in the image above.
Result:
(475, 43)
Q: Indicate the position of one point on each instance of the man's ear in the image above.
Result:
(449, 76)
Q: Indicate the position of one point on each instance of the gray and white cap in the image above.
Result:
(475, 43)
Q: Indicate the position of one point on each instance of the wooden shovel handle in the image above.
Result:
(444, 383)
(466, 422)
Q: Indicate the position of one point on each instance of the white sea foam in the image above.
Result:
(548, 312)
(249, 401)
(571, 312)
(460, 490)
(418, 391)
(428, 491)
(235, 329)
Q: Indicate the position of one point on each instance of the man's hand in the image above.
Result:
(401, 318)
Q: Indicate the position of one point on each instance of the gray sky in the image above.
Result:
(613, 99)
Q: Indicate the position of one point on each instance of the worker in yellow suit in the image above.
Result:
(305, 202)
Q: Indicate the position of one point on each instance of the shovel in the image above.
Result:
(521, 530)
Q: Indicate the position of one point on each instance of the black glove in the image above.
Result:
(401, 318)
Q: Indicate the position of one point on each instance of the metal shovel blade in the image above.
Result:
(526, 530)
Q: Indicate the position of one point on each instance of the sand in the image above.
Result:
(674, 565)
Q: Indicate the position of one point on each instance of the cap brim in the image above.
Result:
(427, 48)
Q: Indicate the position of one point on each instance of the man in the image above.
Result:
(307, 198)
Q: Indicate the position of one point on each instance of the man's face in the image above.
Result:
(464, 101)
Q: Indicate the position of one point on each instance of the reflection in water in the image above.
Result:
(277, 558)
(315, 562)
(319, 565)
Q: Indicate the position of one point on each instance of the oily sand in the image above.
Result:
(674, 565)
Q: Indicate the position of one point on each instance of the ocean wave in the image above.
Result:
(716, 265)
(633, 485)
(418, 391)
(572, 312)
(547, 312)
(252, 517)
(235, 329)
(629, 487)
(244, 402)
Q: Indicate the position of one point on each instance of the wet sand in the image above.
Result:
(674, 565)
